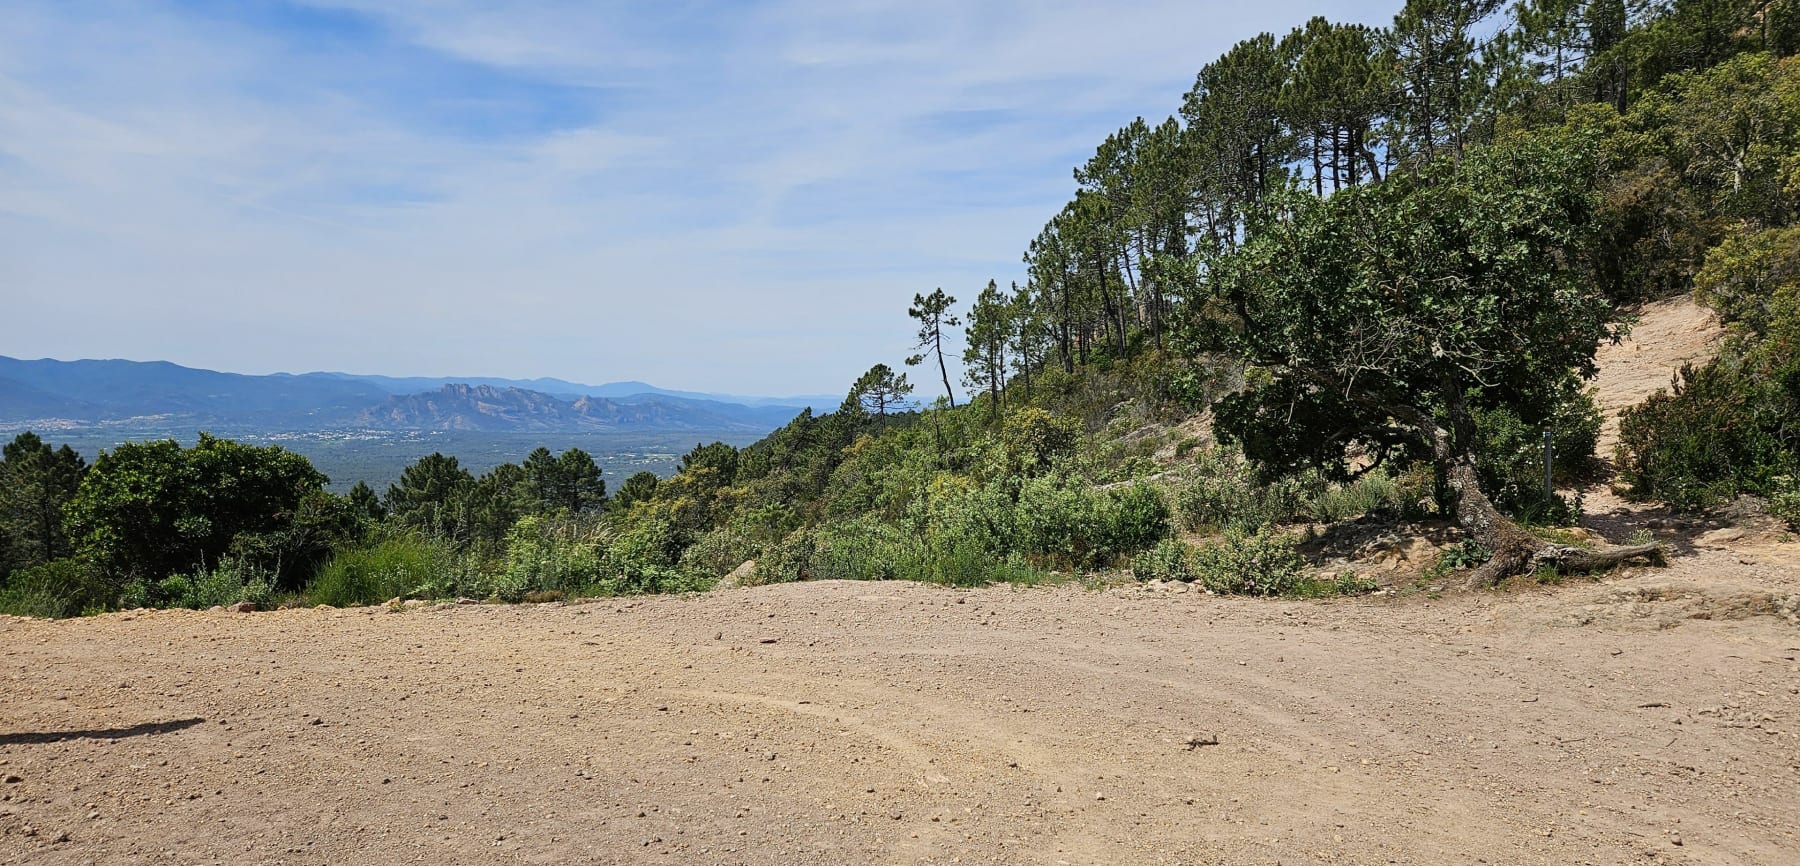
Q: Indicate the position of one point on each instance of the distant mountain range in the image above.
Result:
(157, 393)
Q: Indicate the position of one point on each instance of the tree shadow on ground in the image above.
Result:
(146, 729)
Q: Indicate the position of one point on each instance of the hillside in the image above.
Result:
(488, 408)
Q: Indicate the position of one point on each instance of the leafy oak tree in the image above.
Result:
(1380, 320)
(152, 509)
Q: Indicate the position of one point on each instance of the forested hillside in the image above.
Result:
(1357, 269)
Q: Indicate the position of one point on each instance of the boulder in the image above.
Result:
(739, 576)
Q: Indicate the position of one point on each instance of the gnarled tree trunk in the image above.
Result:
(1515, 551)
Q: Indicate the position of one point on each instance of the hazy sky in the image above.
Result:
(727, 196)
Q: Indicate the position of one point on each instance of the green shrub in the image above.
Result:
(984, 516)
(642, 558)
(1035, 438)
(549, 556)
(1217, 496)
(789, 560)
(1373, 492)
(1727, 427)
(1510, 455)
(398, 567)
(1346, 583)
(1262, 563)
(863, 548)
(1137, 518)
(1225, 493)
(717, 552)
(866, 548)
(230, 583)
(1784, 499)
(56, 589)
(1467, 553)
(1702, 443)
(1168, 560)
(1065, 521)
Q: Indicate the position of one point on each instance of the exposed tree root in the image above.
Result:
(1563, 558)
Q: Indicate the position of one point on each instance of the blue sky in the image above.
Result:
(723, 196)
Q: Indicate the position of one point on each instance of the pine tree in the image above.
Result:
(933, 314)
(990, 332)
(36, 481)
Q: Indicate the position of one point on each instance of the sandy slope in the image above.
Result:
(1667, 334)
(900, 723)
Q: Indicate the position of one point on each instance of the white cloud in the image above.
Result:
(721, 196)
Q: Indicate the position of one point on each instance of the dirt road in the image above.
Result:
(1652, 718)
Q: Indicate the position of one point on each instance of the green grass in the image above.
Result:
(394, 568)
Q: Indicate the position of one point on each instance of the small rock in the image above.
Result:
(12, 779)
(1723, 536)
(1675, 839)
(243, 607)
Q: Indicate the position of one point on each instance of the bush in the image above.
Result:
(230, 583)
(717, 552)
(953, 508)
(1701, 444)
(1066, 521)
(1510, 455)
(1374, 491)
(863, 548)
(1727, 427)
(1137, 517)
(1035, 439)
(1784, 499)
(56, 589)
(398, 567)
(550, 556)
(1168, 560)
(790, 560)
(1224, 494)
(642, 558)
(1263, 563)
